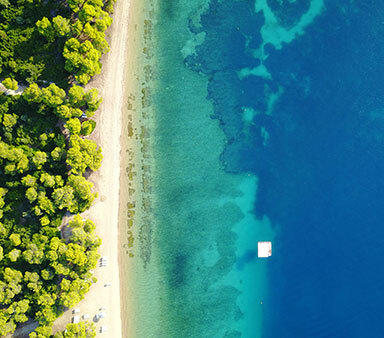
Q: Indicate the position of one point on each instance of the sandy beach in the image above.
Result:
(123, 207)
(106, 292)
(135, 175)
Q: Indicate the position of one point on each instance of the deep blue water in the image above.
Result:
(318, 153)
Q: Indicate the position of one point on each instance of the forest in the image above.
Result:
(48, 51)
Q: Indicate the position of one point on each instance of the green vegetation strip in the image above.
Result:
(49, 48)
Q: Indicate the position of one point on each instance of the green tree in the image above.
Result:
(75, 5)
(46, 315)
(69, 299)
(103, 22)
(15, 239)
(63, 198)
(29, 181)
(4, 3)
(6, 325)
(9, 120)
(80, 330)
(83, 154)
(10, 83)
(77, 28)
(75, 254)
(44, 27)
(14, 254)
(18, 161)
(47, 180)
(39, 158)
(74, 126)
(45, 203)
(109, 5)
(46, 299)
(61, 25)
(97, 37)
(92, 100)
(76, 96)
(73, 291)
(46, 274)
(42, 332)
(33, 281)
(3, 191)
(82, 192)
(87, 13)
(32, 93)
(76, 222)
(83, 234)
(31, 194)
(53, 95)
(66, 111)
(33, 254)
(57, 153)
(82, 59)
(18, 309)
(87, 127)
(59, 181)
(11, 285)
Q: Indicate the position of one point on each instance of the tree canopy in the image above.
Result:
(48, 50)
(80, 330)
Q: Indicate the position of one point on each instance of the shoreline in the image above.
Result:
(126, 156)
(135, 165)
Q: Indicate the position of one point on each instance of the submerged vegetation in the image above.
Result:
(48, 49)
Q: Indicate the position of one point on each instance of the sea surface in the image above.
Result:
(269, 125)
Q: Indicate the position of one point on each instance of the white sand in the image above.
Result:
(104, 212)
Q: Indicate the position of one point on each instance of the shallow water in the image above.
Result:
(268, 126)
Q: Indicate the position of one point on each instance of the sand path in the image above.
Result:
(104, 212)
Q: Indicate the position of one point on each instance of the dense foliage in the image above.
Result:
(80, 330)
(46, 47)
(50, 40)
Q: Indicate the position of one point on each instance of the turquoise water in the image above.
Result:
(268, 126)
(198, 204)
(205, 278)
